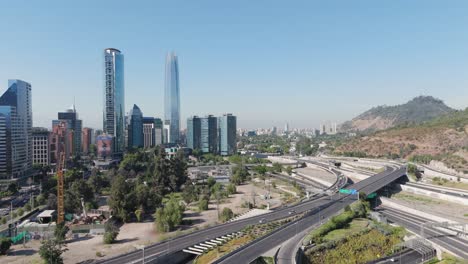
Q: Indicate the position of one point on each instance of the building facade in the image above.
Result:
(135, 128)
(114, 98)
(172, 99)
(40, 137)
(86, 139)
(148, 132)
(209, 134)
(158, 132)
(16, 144)
(194, 132)
(104, 145)
(60, 140)
(70, 116)
(227, 134)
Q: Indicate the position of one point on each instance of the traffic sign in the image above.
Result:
(372, 195)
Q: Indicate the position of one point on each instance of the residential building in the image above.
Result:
(16, 144)
(194, 133)
(148, 132)
(70, 116)
(86, 139)
(172, 99)
(135, 128)
(114, 101)
(60, 140)
(40, 136)
(209, 134)
(227, 134)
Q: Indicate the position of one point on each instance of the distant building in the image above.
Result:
(167, 132)
(135, 128)
(114, 103)
(60, 140)
(16, 143)
(286, 128)
(40, 137)
(251, 133)
(209, 134)
(194, 132)
(104, 144)
(86, 139)
(227, 134)
(148, 132)
(158, 132)
(172, 98)
(274, 131)
(70, 116)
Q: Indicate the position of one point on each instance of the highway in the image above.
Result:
(447, 191)
(316, 216)
(456, 245)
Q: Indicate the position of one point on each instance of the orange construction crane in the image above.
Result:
(60, 198)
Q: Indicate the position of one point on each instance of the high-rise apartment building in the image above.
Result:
(209, 134)
(86, 139)
(114, 99)
(16, 130)
(61, 139)
(172, 99)
(194, 133)
(148, 132)
(40, 136)
(227, 134)
(135, 128)
(70, 116)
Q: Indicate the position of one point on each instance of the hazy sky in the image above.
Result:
(267, 62)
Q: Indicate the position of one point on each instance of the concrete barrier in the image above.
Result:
(442, 196)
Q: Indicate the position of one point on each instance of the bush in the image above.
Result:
(226, 214)
(203, 205)
(111, 231)
(60, 231)
(5, 244)
(27, 207)
(231, 189)
(20, 211)
(51, 251)
(3, 220)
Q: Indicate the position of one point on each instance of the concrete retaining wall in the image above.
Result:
(442, 196)
(428, 172)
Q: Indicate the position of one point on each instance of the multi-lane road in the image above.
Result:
(326, 205)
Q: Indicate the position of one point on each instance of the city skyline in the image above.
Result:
(172, 98)
(376, 49)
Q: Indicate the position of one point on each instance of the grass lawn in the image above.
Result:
(416, 198)
(354, 227)
(452, 184)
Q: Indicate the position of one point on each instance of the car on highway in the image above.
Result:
(291, 212)
(262, 221)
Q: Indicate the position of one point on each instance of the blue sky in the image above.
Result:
(268, 62)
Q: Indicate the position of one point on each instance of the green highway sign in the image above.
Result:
(372, 195)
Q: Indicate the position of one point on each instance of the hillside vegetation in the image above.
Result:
(416, 111)
(444, 139)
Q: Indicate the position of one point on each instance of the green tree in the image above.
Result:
(111, 231)
(122, 198)
(60, 232)
(261, 170)
(203, 204)
(289, 170)
(170, 215)
(20, 212)
(3, 220)
(5, 244)
(277, 167)
(51, 251)
(231, 188)
(27, 207)
(12, 188)
(78, 189)
(179, 168)
(226, 214)
(52, 202)
(189, 193)
(210, 182)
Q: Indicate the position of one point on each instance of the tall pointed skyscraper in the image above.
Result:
(172, 98)
(114, 98)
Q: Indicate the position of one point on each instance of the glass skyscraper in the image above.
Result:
(227, 134)
(16, 130)
(135, 128)
(193, 132)
(209, 134)
(114, 98)
(172, 98)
